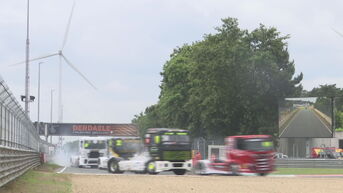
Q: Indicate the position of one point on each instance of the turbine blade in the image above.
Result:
(337, 32)
(68, 27)
(76, 70)
(34, 59)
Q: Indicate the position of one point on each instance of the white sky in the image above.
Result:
(121, 46)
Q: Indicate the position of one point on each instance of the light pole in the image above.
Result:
(38, 95)
(27, 76)
(52, 92)
(51, 102)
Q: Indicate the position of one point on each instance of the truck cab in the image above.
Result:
(250, 154)
(120, 148)
(90, 149)
(164, 150)
(169, 149)
(244, 154)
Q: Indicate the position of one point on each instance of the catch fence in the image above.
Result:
(20, 145)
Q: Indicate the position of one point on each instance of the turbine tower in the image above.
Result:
(62, 57)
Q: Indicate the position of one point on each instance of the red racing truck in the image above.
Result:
(244, 154)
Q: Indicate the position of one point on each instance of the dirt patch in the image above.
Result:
(201, 184)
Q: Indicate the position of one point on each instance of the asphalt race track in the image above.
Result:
(306, 124)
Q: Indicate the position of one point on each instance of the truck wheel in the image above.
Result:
(179, 171)
(113, 167)
(234, 169)
(151, 168)
(262, 174)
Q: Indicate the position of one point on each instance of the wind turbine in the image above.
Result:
(62, 57)
(337, 32)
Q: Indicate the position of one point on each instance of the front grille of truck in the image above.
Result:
(178, 165)
(94, 154)
(262, 162)
(176, 155)
(92, 161)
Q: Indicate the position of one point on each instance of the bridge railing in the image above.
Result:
(19, 140)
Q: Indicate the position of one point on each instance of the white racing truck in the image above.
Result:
(120, 148)
(90, 149)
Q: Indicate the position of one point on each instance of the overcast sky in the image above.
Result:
(122, 45)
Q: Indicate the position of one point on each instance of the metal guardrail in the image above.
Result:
(309, 163)
(15, 162)
(19, 141)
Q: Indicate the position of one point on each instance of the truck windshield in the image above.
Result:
(94, 144)
(130, 146)
(178, 138)
(255, 144)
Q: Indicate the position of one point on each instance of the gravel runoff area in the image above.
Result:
(201, 184)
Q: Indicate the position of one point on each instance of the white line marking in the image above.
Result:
(62, 170)
(290, 122)
(93, 174)
(322, 122)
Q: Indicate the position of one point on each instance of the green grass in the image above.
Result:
(40, 180)
(48, 167)
(307, 171)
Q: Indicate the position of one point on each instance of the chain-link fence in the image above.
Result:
(19, 140)
(17, 131)
(201, 145)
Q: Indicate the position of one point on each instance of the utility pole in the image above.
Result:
(27, 76)
(51, 104)
(51, 107)
(38, 96)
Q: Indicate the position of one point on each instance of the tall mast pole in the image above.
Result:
(27, 76)
(60, 106)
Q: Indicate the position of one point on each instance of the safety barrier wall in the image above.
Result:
(309, 163)
(15, 162)
(19, 140)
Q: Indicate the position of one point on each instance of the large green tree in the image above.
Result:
(228, 83)
(324, 104)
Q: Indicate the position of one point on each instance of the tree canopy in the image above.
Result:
(325, 93)
(226, 84)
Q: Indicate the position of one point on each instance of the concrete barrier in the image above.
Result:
(309, 163)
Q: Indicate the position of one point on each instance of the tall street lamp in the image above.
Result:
(38, 95)
(51, 100)
(51, 107)
(27, 76)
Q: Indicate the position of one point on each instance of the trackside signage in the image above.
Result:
(82, 129)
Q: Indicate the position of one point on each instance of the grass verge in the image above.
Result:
(40, 180)
(307, 171)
